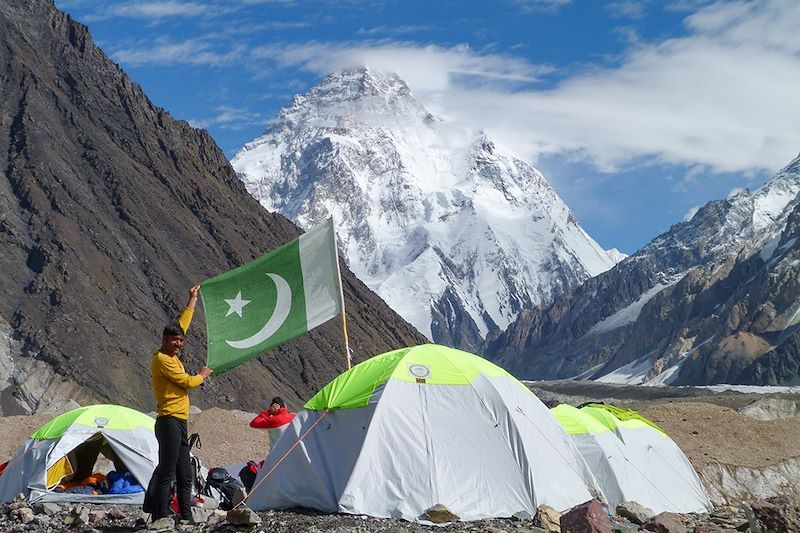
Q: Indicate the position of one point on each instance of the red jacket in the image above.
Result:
(269, 421)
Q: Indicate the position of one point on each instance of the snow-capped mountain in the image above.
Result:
(449, 228)
(714, 300)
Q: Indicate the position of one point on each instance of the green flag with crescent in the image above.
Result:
(270, 300)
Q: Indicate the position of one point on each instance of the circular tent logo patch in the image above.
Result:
(419, 371)
(100, 421)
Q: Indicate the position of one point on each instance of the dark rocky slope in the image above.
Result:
(109, 210)
(714, 300)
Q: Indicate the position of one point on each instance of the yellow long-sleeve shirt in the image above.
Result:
(170, 381)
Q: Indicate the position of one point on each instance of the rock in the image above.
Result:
(548, 519)
(42, 520)
(774, 514)
(588, 517)
(635, 512)
(78, 516)
(200, 515)
(243, 517)
(162, 524)
(48, 508)
(439, 514)
(624, 528)
(117, 514)
(665, 523)
(209, 502)
(217, 517)
(97, 516)
(25, 515)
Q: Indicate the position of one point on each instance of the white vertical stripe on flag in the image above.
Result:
(321, 281)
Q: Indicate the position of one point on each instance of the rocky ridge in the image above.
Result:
(109, 210)
(714, 300)
(451, 229)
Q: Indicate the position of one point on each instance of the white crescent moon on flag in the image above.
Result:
(283, 304)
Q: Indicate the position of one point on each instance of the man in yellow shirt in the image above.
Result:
(171, 386)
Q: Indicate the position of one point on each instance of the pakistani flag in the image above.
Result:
(273, 299)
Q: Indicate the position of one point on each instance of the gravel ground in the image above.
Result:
(705, 425)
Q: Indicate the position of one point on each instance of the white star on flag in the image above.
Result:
(236, 304)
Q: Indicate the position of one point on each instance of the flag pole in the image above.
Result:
(341, 297)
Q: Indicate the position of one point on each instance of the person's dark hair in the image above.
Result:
(278, 400)
(173, 329)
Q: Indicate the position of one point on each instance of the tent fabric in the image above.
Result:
(95, 416)
(651, 452)
(128, 433)
(609, 459)
(614, 417)
(432, 363)
(418, 427)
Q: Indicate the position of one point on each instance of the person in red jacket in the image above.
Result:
(275, 420)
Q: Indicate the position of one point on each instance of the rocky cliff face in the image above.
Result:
(452, 230)
(109, 210)
(714, 300)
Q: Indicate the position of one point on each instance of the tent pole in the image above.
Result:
(341, 297)
(346, 342)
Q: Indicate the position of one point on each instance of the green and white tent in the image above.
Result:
(69, 446)
(650, 451)
(412, 428)
(608, 457)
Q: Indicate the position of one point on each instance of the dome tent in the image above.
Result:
(651, 451)
(71, 443)
(607, 457)
(420, 426)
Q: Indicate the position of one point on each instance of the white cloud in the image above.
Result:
(633, 9)
(724, 96)
(541, 6)
(393, 30)
(150, 10)
(429, 68)
(165, 52)
(691, 213)
(231, 117)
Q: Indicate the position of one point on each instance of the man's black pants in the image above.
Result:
(173, 464)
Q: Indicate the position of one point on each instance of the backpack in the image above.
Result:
(248, 474)
(230, 489)
(198, 483)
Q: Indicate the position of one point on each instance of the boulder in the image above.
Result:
(48, 508)
(201, 515)
(548, 519)
(243, 517)
(217, 517)
(78, 516)
(162, 524)
(25, 515)
(635, 512)
(439, 514)
(588, 517)
(778, 513)
(665, 523)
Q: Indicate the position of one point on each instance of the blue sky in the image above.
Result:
(636, 111)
